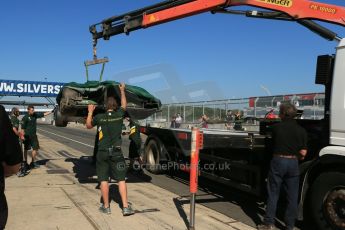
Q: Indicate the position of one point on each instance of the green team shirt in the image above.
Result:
(15, 122)
(134, 134)
(109, 127)
(29, 123)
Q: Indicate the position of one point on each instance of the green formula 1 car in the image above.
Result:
(73, 99)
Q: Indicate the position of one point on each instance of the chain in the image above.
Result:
(94, 49)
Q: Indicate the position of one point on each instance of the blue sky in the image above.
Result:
(236, 55)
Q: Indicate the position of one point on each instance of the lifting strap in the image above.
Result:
(95, 61)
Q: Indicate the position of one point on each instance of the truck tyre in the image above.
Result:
(327, 201)
(59, 119)
(152, 157)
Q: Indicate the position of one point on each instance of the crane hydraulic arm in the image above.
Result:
(302, 11)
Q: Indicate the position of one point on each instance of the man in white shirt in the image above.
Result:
(178, 120)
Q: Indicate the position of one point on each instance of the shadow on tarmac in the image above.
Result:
(42, 162)
(178, 204)
(114, 196)
(253, 207)
(85, 172)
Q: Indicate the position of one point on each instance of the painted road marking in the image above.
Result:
(91, 146)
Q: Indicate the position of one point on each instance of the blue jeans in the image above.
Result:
(283, 171)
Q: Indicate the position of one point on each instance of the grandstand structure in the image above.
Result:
(312, 104)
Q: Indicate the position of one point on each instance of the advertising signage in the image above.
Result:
(29, 88)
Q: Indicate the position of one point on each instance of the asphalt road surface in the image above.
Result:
(232, 203)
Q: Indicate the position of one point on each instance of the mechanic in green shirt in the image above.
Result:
(110, 161)
(15, 121)
(24, 167)
(29, 126)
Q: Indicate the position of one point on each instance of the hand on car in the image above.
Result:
(91, 108)
(122, 87)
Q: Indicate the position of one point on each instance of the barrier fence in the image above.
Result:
(191, 112)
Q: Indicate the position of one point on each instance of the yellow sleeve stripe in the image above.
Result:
(132, 130)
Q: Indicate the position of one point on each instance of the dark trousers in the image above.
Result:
(283, 172)
(134, 149)
(3, 211)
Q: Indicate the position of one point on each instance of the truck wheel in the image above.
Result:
(59, 119)
(152, 156)
(327, 201)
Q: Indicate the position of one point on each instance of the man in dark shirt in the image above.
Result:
(173, 122)
(110, 160)
(10, 157)
(29, 126)
(289, 145)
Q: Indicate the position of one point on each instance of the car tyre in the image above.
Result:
(59, 119)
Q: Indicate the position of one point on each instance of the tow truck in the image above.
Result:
(322, 188)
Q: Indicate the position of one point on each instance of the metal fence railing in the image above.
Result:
(191, 112)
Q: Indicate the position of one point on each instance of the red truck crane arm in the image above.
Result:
(302, 11)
